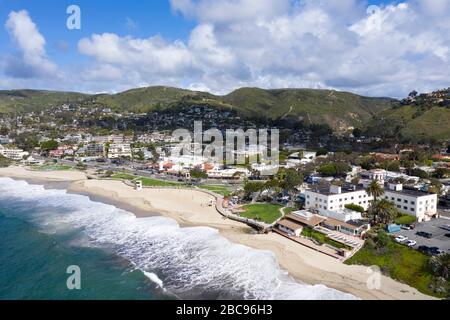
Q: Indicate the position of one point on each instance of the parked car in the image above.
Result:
(424, 234)
(435, 251)
(411, 243)
(446, 227)
(401, 239)
(406, 227)
(424, 249)
(448, 235)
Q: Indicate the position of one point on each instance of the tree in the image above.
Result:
(27, 141)
(253, 187)
(357, 132)
(382, 211)
(4, 131)
(342, 168)
(4, 162)
(442, 173)
(413, 94)
(322, 152)
(418, 173)
(140, 155)
(375, 189)
(292, 179)
(49, 145)
(440, 265)
(436, 187)
(198, 174)
(393, 166)
(328, 170)
(355, 207)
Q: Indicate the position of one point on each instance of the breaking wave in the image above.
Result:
(191, 263)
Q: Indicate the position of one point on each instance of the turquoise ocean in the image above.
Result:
(44, 231)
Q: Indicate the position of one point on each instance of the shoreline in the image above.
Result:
(189, 208)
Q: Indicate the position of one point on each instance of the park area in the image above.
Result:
(268, 213)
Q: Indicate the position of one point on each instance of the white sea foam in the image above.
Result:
(155, 279)
(189, 262)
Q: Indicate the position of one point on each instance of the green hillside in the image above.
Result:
(338, 109)
(433, 124)
(147, 99)
(19, 101)
(416, 119)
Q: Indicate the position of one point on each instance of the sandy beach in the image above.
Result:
(191, 208)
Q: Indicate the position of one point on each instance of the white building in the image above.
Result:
(119, 150)
(420, 204)
(335, 198)
(6, 140)
(307, 157)
(13, 153)
(343, 215)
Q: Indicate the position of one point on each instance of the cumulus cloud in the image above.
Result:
(229, 11)
(33, 61)
(306, 43)
(267, 43)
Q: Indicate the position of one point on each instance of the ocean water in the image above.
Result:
(43, 231)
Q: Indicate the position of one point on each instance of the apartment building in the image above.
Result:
(13, 153)
(335, 198)
(421, 204)
(119, 150)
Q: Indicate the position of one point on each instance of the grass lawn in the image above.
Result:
(398, 262)
(222, 190)
(147, 182)
(124, 176)
(405, 219)
(53, 167)
(310, 233)
(267, 213)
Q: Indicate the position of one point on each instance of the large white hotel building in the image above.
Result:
(420, 204)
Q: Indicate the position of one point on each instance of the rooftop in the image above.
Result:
(315, 220)
(410, 192)
(289, 224)
(344, 189)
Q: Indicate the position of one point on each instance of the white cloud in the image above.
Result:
(33, 61)
(229, 11)
(270, 44)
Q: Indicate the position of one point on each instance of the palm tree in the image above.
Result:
(374, 189)
(440, 265)
(382, 211)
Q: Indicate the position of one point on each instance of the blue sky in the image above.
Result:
(224, 44)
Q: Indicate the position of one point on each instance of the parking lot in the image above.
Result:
(438, 240)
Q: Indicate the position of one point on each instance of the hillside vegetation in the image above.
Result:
(418, 118)
(20, 101)
(338, 109)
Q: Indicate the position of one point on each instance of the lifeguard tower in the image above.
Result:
(138, 185)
